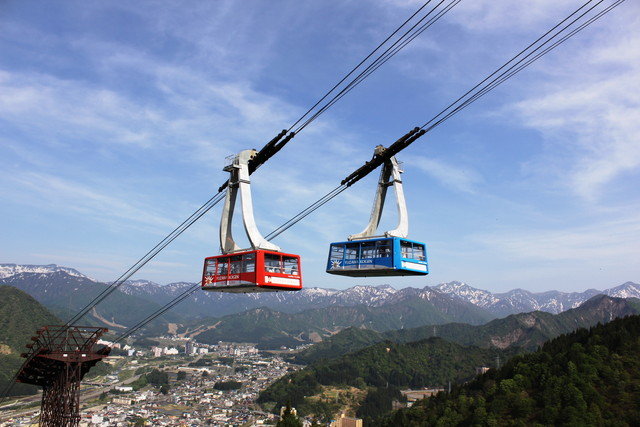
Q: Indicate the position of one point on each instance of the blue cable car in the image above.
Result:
(370, 254)
(390, 256)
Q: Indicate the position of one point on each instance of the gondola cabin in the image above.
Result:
(391, 256)
(252, 271)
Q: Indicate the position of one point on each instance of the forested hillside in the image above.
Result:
(432, 362)
(64, 294)
(20, 316)
(524, 330)
(272, 329)
(589, 377)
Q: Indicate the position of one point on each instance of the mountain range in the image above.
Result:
(525, 331)
(520, 300)
(498, 304)
(65, 290)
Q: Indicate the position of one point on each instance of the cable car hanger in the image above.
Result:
(390, 253)
(389, 176)
(259, 268)
(240, 182)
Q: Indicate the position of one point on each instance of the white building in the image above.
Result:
(171, 351)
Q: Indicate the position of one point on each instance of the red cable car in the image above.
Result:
(252, 271)
(262, 268)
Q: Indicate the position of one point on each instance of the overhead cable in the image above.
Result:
(266, 152)
(483, 87)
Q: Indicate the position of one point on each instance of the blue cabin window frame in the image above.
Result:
(359, 254)
(378, 254)
(413, 255)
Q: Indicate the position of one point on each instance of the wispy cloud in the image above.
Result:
(452, 176)
(598, 243)
(95, 200)
(595, 124)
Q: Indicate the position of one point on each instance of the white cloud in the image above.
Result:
(449, 175)
(512, 15)
(591, 123)
(612, 242)
(95, 200)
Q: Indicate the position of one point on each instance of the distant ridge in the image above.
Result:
(7, 270)
(522, 330)
(213, 304)
(520, 300)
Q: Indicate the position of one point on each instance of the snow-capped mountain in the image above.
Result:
(520, 300)
(7, 270)
(626, 290)
(444, 295)
(216, 304)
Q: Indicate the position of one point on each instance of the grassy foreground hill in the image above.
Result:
(524, 330)
(20, 316)
(588, 377)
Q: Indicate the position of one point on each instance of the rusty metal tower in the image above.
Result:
(57, 360)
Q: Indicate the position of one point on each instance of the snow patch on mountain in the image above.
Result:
(626, 290)
(521, 300)
(8, 270)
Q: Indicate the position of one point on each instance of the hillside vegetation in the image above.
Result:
(430, 362)
(20, 317)
(524, 330)
(272, 329)
(64, 295)
(588, 377)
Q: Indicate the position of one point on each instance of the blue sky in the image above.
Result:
(116, 118)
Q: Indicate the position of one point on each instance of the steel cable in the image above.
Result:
(505, 75)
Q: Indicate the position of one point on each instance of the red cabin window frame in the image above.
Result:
(258, 270)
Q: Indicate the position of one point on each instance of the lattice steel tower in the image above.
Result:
(57, 360)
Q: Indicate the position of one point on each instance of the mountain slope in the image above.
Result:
(520, 300)
(431, 362)
(526, 330)
(271, 329)
(65, 294)
(588, 377)
(20, 316)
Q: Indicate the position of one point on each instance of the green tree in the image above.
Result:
(157, 377)
(289, 419)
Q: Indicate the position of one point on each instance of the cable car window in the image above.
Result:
(223, 267)
(352, 251)
(211, 267)
(236, 264)
(272, 263)
(249, 263)
(406, 249)
(368, 250)
(337, 252)
(290, 265)
(418, 252)
(383, 249)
